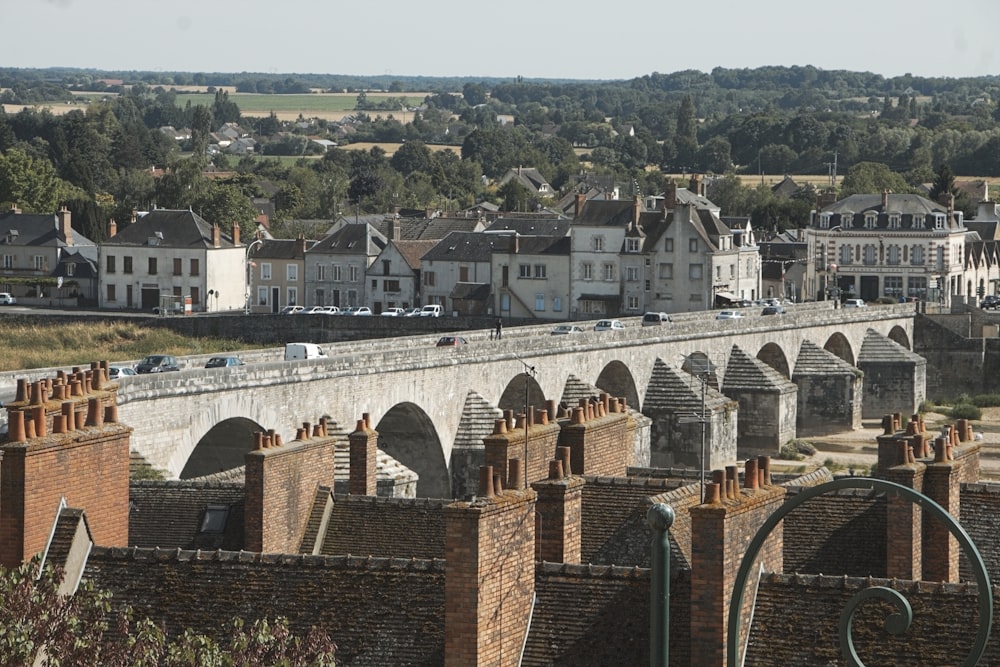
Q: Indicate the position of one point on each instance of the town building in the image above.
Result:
(276, 269)
(337, 264)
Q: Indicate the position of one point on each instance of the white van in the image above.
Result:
(295, 351)
(431, 310)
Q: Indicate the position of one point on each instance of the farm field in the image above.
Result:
(328, 106)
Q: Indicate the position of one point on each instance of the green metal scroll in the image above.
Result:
(896, 623)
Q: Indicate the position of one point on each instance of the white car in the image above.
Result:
(7, 299)
(729, 315)
(393, 312)
(361, 310)
(855, 303)
(608, 325)
(331, 310)
(291, 310)
(315, 310)
(410, 312)
(564, 329)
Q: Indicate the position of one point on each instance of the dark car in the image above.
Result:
(223, 362)
(772, 310)
(157, 363)
(991, 302)
(451, 341)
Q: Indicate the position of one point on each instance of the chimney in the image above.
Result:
(363, 446)
(236, 233)
(885, 201)
(301, 244)
(65, 224)
(578, 203)
(669, 195)
(112, 228)
(636, 209)
(696, 186)
(393, 234)
(14, 209)
(558, 511)
(135, 216)
(904, 553)
(216, 237)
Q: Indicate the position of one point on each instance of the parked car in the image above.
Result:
(291, 310)
(331, 310)
(451, 341)
(7, 299)
(608, 325)
(349, 310)
(315, 310)
(563, 329)
(431, 310)
(119, 372)
(729, 315)
(295, 351)
(393, 312)
(773, 310)
(223, 362)
(855, 303)
(655, 319)
(990, 302)
(411, 312)
(772, 301)
(157, 363)
(362, 310)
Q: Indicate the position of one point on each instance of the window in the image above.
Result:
(539, 302)
(262, 295)
(524, 270)
(292, 297)
(918, 222)
(895, 220)
(335, 270)
(70, 270)
(321, 272)
(632, 303)
(429, 278)
(917, 255)
(732, 271)
(666, 271)
(109, 263)
(177, 292)
(319, 298)
(824, 220)
(632, 274)
(609, 271)
(127, 264)
(668, 245)
(195, 266)
(374, 284)
(648, 285)
(195, 295)
(598, 242)
(463, 274)
(539, 270)
(178, 266)
(869, 254)
(892, 286)
(916, 287)
(215, 518)
(352, 273)
(265, 271)
(151, 266)
(587, 271)
(557, 304)
(386, 267)
(939, 219)
(846, 255)
(631, 245)
(695, 271)
(939, 262)
(893, 254)
(39, 262)
(718, 272)
(692, 245)
(871, 217)
(112, 296)
(390, 286)
(292, 271)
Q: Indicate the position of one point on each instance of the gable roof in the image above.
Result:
(36, 229)
(533, 226)
(351, 239)
(412, 251)
(170, 228)
(423, 229)
(465, 247)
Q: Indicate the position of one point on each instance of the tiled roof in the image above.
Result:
(35, 230)
(746, 372)
(477, 421)
(471, 291)
(427, 229)
(412, 251)
(171, 228)
(465, 247)
(351, 239)
(613, 527)
(672, 390)
(169, 514)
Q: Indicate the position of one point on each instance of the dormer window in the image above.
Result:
(895, 220)
(918, 222)
(847, 219)
(871, 218)
(598, 243)
(632, 245)
(824, 220)
(939, 220)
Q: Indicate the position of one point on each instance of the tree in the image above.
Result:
(81, 629)
(413, 156)
(868, 178)
(223, 110)
(225, 205)
(516, 197)
(686, 136)
(474, 93)
(31, 183)
(201, 128)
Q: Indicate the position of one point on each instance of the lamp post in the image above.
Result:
(702, 419)
(257, 242)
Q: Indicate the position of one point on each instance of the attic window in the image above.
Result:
(895, 220)
(214, 520)
(824, 220)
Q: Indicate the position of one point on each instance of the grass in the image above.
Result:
(46, 346)
(308, 104)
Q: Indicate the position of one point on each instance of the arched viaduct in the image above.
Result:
(415, 392)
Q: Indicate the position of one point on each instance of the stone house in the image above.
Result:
(336, 266)
(395, 276)
(453, 266)
(277, 273)
(531, 276)
(169, 257)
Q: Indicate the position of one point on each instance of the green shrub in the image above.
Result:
(965, 411)
(986, 400)
(796, 450)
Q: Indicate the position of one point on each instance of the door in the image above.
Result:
(275, 299)
(869, 288)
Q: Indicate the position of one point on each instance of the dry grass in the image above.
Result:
(44, 346)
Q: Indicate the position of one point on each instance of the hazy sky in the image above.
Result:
(585, 39)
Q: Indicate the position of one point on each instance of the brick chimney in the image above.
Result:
(579, 200)
(696, 185)
(216, 237)
(904, 553)
(636, 209)
(599, 436)
(14, 209)
(281, 483)
(364, 446)
(489, 576)
(301, 245)
(236, 233)
(669, 195)
(507, 442)
(559, 507)
(65, 224)
(885, 200)
(393, 231)
(112, 228)
(49, 456)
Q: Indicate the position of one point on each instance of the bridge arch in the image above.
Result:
(513, 396)
(898, 334)
(408, 435)
(772, 355)
(222, 448)
(698, 363)
(839, 345)
(616, 379)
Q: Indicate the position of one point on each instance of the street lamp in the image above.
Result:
(257, 242)
(693, 362)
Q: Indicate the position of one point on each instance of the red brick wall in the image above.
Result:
(280, 487)
(601, 446)
(89, 467)
(557, 520)
(720, 534)
(364, 460)
(903, 525)
(489, 579)
(542, 442)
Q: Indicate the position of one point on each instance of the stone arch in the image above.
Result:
(616, 379)
(898, 334)
(408, 435)
(772, 355)
(697, 362)
(839, 345)
(513, 396)
(222, 448)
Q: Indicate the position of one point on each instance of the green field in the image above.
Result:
(315, 104)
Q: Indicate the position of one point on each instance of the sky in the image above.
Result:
(585, 39)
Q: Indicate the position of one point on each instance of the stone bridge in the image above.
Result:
(418, 394)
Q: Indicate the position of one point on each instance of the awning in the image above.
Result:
(728, 296)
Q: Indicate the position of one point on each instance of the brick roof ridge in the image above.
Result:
(657, 482)
(590, 571)
(193, 483)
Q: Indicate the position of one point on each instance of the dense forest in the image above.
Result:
(109, 157)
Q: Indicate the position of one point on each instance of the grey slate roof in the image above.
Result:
(351, 240)
(471, 291)
(533, 226)
(814, 360)
(36, 230)
(408, 229)
(178, 229)
(613, 213)
(280, 249)
(876, 348)
(746, 372)
(465, 247)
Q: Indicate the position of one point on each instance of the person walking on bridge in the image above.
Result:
(498, 332)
